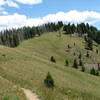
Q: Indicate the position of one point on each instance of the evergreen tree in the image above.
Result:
(97, 37)
(60, 24)
(89, 44)
(80, 56)
(13, 37)
(66, 63)
(97, 51)
(80, 63)
(92, 71)
(49, 82)
(83, 69)
(97, 73)
(87, 55)
(74, 43)
(53, 59)
(75, 64)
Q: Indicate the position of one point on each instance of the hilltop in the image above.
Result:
(27, 65)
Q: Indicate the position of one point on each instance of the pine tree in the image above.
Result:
(74, 43)
(80, 63)
(68, 46)
(75, 65)
(83, 69)
(97, 73)
(66, 63)
(97, 51)
(87, 55)
(93, 72)
(49, 82)
(53, 59)
(89, 43)
(80, 56)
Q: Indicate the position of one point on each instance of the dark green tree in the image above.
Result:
(53, 59)
(66, 63)
(74, 43)
(87, 55)
(97, 51)
(92, 71)
(80, 56)
(83, 69)
(49, 82)
(97, 73)
(97, 37)
(89, 44)
(80, 63)
(75, 64)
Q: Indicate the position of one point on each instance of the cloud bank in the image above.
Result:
(16, 20)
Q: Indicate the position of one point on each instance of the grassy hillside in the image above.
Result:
(27, 65)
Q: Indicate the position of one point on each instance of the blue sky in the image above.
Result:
(34, 12)
(54, 6)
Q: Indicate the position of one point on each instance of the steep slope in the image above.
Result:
(28, 64)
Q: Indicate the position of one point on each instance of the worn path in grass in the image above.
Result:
(30, 95)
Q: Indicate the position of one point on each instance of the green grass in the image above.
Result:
(27, 66)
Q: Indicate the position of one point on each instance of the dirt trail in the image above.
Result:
(30, 95)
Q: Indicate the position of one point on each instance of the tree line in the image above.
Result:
(13, 37)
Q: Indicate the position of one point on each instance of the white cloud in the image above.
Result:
(73, 17)
(14, 3)
(17, 20)
(12, 21)
(4, 13)
(30, 2)
(2, 2)
(10, 3)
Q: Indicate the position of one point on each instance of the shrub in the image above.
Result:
(66, 63)
(53, 59)
(69, 47)
(93, 72)
(87, 55)
(74, 44)
(80, 63)
(83, 69)
(97, 51)
(49, 82)
(97, 73)
(75, 65)
(80, 56)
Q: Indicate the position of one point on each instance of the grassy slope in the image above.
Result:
(8, 88)
(28, 64)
